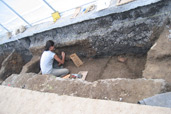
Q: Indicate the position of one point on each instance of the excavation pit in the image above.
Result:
(114, 48)
(110, 67)
(101, 67)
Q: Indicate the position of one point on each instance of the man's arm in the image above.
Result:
(59, 60)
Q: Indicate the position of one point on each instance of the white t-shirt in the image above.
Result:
(46, 62)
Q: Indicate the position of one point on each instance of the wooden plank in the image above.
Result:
(121, 2)
(67, 76)
(77, 61)
(77, 11)
(84, 74)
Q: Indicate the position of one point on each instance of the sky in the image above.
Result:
(33, 11)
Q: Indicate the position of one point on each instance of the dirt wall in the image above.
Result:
(132, 31)
(125, 90)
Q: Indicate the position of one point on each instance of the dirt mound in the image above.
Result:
(158, 65)
(127, 90)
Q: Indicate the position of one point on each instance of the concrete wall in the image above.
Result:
(19, 101)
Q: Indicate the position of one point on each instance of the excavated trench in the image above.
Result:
(102, 67)
(98, 67)
(113, 50)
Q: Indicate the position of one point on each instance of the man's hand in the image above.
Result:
(61, 61)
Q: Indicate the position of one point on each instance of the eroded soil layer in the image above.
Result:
(127, 90)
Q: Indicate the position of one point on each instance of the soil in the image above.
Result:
(158, 65)
(120, 89)
(110, 67)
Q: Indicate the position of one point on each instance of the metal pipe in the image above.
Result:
(15, 12)
(49, 5)
(4, 28)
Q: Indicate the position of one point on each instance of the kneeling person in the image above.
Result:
(47, 58)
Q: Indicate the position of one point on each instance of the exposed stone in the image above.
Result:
(12, 64)
(32, 66)
(122, 59)
(158, 65)
(20, 46)
(3, 56)
(132, 31)
(1, 81)
(130, 90)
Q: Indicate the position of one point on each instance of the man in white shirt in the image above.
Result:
(47, 58)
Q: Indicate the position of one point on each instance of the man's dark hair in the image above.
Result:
(49, 43)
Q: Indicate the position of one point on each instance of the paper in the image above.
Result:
(103, 4)
(77, 11)
(84, 74)
(121, 2)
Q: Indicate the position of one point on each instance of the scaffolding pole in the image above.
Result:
(15, 12)
(4, 28)
(49, 5)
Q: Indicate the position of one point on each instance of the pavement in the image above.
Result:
(21, 101)
(162, 100)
